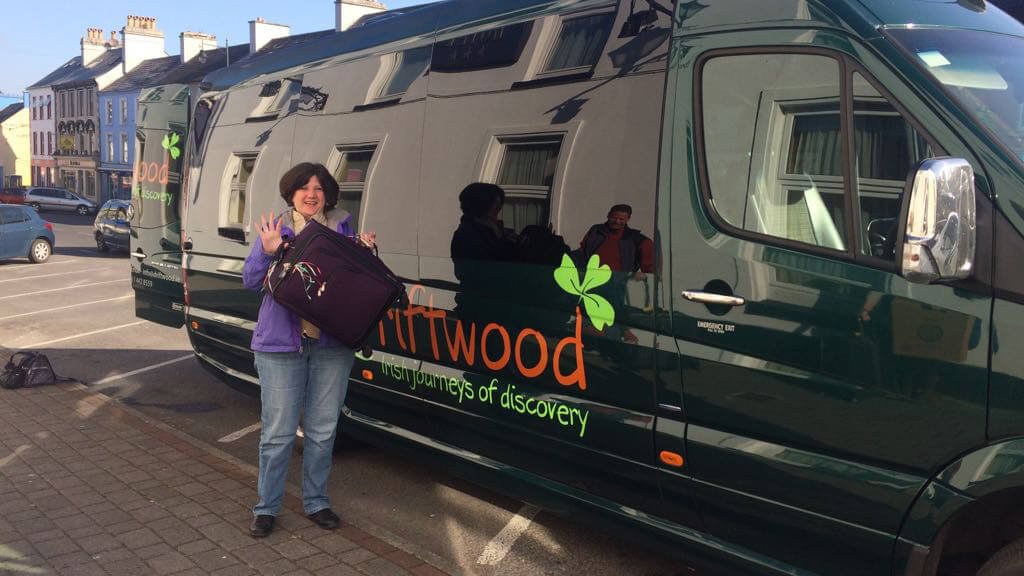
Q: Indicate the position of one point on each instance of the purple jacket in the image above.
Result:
(277, 329)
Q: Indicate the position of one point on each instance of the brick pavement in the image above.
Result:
(90, 487)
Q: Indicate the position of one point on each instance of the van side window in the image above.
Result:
(243, 167)
(350, 169)
(527, 172)
(580, 42)
(886, 147)
(773, 146)
(492, 48)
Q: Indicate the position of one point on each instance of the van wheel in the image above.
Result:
(101, 244)
(1007, 562)
(39, 251)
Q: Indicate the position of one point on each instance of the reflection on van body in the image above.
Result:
(770, 387)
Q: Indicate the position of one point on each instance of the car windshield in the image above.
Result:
(983, 70)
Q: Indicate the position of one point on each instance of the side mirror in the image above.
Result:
(941, 234)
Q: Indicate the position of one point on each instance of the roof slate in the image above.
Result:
(78, 74)
(143, 75)
(10, 110)
(200, 65)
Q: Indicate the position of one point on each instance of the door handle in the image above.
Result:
(139, 254)
(712, 298)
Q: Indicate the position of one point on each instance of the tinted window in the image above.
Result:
(886, 147)
(11, 215)
(756, 106)
(486, 49)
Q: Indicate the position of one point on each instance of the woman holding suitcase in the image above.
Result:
(301, 370)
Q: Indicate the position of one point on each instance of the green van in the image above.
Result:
(758, 271)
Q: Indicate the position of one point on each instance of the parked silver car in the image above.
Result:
(40, 198)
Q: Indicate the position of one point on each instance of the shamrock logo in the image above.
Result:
(599, 309)
(170, 143)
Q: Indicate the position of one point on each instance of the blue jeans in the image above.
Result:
(312, 382)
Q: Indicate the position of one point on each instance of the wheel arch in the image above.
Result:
(970, 509)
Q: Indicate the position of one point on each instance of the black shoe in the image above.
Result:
(262, 526)
(325, 519)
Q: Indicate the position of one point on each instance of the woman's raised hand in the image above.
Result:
(270, 233)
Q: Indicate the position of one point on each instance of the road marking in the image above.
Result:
(47, 343)
(113, 377)
(44, 276)
(240, 433)
(498, 547)
(64, 307)
(64, 288)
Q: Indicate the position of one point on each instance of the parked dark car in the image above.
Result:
(43, 197)
(12, 195)
(23, 234)
(111, 227)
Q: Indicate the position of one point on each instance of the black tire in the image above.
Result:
(82, 210)
(39, 251)
(1009, 561)
(101, 244)
(35, 206)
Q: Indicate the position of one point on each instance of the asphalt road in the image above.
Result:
(78, 308)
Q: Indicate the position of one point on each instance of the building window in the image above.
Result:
(110, 112)
(49, 109)
(34, 108)
(88, 96)
(49, 140)
(110, 147)
(71, 104)
(81, 102)
(527, 172)
(124, 110)
(580, 42)
(351, 170)
(274, 95)
(124, 148)
(243, 167)
(63, 107)
(35, 140)
(408, 66)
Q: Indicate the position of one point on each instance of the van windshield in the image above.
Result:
(983, 70)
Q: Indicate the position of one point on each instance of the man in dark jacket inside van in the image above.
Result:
(625, 250)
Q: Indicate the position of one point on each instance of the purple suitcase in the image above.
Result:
(335, 283)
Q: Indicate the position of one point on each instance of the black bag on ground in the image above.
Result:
(27, 369)
(334, 283)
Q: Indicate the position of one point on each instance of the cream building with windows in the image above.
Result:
(15, 154)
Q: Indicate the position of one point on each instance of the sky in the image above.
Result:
(38, 38)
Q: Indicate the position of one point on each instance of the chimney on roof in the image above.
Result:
(261, 32)
(192, 43)
(142, 41)
(93, 45)
(347, 12)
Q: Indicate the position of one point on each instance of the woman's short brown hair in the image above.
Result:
(297, 176)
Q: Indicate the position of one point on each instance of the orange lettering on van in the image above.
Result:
(460, 344)
(542, 343)
(506, 350)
